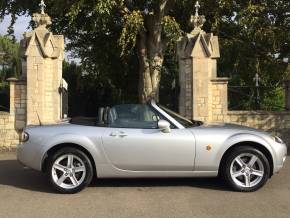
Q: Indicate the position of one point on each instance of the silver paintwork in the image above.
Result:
(164, 126)
(125, 152)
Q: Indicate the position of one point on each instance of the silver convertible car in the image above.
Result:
(149, 140)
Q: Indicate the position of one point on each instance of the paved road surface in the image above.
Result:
(26, 193)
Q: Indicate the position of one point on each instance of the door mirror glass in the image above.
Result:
(164, 126)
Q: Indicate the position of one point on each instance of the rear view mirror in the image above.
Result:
(164, 126)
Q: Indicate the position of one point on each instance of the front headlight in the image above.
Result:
(277, 139)
(24, 137)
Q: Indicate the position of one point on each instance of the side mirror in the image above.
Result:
(164, 126)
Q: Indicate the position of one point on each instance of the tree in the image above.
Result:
(9, 59)
(142, 26)
(9, 67)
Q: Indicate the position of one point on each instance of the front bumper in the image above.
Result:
(281, 155)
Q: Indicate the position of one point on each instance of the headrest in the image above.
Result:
(101, 115)
(106, 112)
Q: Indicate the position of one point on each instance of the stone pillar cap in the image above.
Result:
(220, 79)
(12, 79)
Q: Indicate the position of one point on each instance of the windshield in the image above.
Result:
(182, 120)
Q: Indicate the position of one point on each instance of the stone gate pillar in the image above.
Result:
(42, 55)
(203, 96)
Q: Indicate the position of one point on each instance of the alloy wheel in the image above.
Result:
(68, 171)
(247, 170)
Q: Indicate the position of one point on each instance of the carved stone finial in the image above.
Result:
(42, 6)
(41, 20)
(197, 20)
(197, 6)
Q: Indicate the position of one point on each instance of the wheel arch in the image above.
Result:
(253, 144)
(59, 146)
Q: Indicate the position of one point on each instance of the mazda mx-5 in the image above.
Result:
(149, 140)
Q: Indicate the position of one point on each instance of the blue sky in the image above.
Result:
(19, 28)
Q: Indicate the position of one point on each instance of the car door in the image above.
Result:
(133, 142)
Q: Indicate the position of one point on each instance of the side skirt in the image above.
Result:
(106, 171)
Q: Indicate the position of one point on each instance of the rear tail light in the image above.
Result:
(24, 137)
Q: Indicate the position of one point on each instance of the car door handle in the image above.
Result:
(120, 134)
(113, 134)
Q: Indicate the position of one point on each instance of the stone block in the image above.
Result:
(20, 111)
(215, 117)
(19, 125)
(217, 111)
(216, 92)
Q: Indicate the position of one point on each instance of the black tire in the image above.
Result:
(227, 164)
(88, 173)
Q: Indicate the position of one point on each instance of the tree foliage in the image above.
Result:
(9, 67)
(9, 59)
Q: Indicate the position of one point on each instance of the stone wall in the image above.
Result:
(9, 137)
(276, 122)
(12, 123)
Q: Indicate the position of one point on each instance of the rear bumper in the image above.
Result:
(29, 155)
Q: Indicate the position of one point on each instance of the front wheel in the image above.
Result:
(69, 170)
(246, 169)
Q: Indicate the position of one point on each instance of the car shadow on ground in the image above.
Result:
(204, 183)
(13, 174)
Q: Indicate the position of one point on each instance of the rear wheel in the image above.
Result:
(69, 170)
(246, 169)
